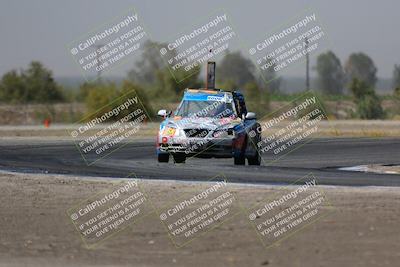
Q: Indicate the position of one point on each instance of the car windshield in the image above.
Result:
(214, 109)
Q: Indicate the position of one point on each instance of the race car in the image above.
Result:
(209, 123)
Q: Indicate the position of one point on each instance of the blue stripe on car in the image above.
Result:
(200, 97)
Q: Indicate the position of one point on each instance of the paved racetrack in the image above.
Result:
(322, 157)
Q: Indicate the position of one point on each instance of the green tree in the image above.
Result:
(152, 72)
(104, 97)
(396, 76)
(99, 98)
(257, 99)
(41, 84)
(361, 67)
(396, 82)
(397, 93)
(330, 74)
(270, 77)
(236, 68)
(150, 63)
(13, 88)
(228, 85)
(181, 81)
(252, 92)
(128, 88)
(368, 103)
(84, 90)
(34, 85)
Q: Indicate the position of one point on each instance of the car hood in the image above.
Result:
(202, 123)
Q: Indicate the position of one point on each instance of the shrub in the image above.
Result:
(368, 103)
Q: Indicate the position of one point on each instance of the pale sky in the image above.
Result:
(41, 29)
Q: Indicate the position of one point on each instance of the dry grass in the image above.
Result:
(331, 128)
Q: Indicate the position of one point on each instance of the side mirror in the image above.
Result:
(251, 116)
(163, 113)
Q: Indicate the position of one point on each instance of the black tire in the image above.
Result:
(256, 160)
(163, 158)
(178, 158)
(240, 160)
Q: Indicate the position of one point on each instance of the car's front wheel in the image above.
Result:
(178, 158)
(163, 157)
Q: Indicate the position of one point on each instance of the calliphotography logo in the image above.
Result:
(199, 209)
(201, 131)
(207, 40)
(109, 128)
(280, 216)
(288, 45)
(290, 127)
(185, 218)
(109, 45)
(109, 212)
(191, 133)
(197, 213)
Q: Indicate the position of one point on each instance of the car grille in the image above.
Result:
(196, 133)
(222, 133)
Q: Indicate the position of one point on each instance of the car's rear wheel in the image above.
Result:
(163, 157)
(240, 159)
(256, 160)
(178, 158)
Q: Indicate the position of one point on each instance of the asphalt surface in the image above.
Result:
(322, 157)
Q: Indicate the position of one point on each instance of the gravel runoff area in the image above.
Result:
(330, 128)
(360, 228)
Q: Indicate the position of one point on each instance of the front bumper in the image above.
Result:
(198, 147)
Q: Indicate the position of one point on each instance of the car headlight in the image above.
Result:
(172, 132)
(169, 131)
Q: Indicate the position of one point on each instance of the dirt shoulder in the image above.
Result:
(361, 228)
(331, 128)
